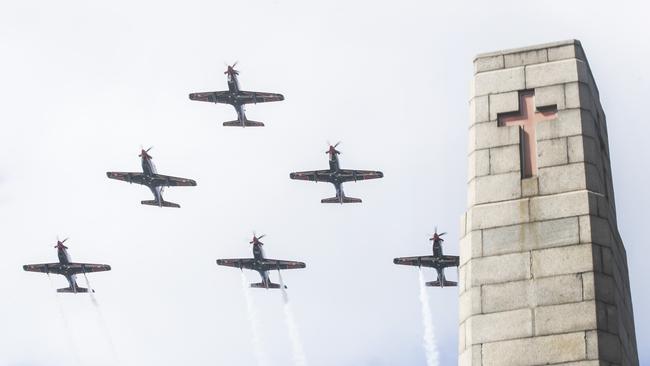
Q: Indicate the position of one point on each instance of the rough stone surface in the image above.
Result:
(556, 72)
(543, 276)
(552, 152)
(499, 81)
(535, 351)
(547, 96)
(503, 103)
(500, 326)
(505, 159)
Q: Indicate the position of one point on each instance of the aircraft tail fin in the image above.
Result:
(247, 123)
(266, 285)
(339, 199)
(445, 283)
(161, 203)
(71, 290)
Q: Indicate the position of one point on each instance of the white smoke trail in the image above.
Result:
(262, 360)
(66, 324)
(102, 322)
(427, 320)
(299, 358)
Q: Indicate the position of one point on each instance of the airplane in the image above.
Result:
(260, 264)
(438, 261)
(150, 178)
(237, 98)
(336, 176)
(67, 268)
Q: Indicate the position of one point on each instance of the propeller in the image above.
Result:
(145, 153)
(437, 236)
(231, 69)
(332, 148)
(59, 243)
(256, 239)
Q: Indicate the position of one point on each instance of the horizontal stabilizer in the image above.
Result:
(161, 203)
(445, 283)
(265, 285)
(71, 290)
(341, 200)
(246, 123)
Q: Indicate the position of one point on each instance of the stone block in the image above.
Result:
(489, 134)
(506, 296)
(565, 318)
(471, 246)
(556, 72)
(536, 351)
(565, 52)
(478, 164)
(495, 188)
(461, 338)
(505, 159)
(482, 64)
(567, 123)
(547, 96)
(591, 340)
(562, 178)
(498, 214)
(530, 236)
(612, 318)
(503, 103)
(562, 205)
(470, 357)
(599, 231)
(583, 148)
(529, 187)
(588, 286)
(605, 288)
(552, 152)
(577, 95)
(557, 290)
(593, 178)
(562, 260)
(609, 347)
(498, 269)
(525, 58)
(479, 109)
(469, 303)
(500, 326)
(499, 81)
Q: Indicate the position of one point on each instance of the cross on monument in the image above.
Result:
(527, 118)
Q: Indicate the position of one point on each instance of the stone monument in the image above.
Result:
(543, 270)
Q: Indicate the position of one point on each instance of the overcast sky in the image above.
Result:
(85, 83)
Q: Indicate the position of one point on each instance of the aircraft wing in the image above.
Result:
(131, 177)
(237, 262)
(449, 260)
(347, 175)
(313, 175)
(212, 97)
(275, 264)
(248, 97)
(70, 268)
(423, 261)
(169, 181)
(43, 268)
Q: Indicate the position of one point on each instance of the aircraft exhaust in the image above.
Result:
(260, 355)
(429, 340)
(102, 321)
(66, 324)
(299, 358)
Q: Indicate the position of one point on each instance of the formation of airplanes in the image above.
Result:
(335, 175)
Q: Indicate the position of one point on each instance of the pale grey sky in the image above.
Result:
(84, 84)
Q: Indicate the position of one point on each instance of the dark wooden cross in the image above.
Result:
(527, 118)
